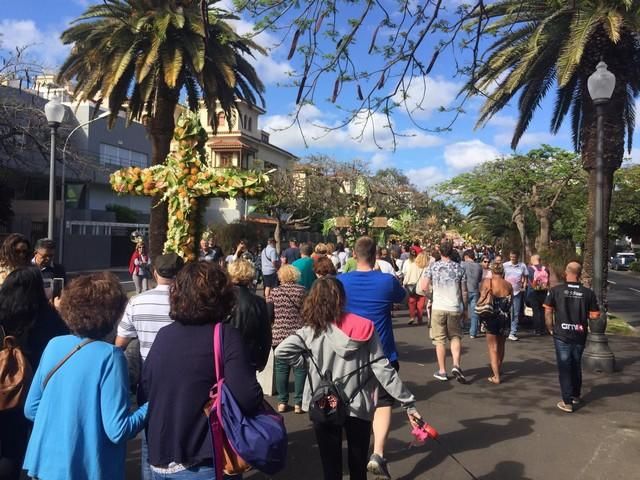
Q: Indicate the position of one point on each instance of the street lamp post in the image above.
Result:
(62, 183)
(54, 111)
(598, 355)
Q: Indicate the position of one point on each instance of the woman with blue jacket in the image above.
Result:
(79, 397)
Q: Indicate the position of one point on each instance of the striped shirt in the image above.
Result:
(144, 316)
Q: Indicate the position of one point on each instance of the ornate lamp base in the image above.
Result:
(597, 356)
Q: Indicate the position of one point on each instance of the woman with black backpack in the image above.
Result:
(346, 364)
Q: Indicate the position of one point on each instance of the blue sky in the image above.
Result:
(426, 157)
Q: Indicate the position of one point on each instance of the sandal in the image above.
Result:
(282, 407)
(493, 380)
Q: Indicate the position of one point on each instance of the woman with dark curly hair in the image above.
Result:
(79, 397)
(179, 372)
(26, 315)
(346, 345)
(15, 252)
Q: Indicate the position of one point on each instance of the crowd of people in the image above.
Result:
(325, 314)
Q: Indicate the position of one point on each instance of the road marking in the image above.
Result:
(612, 282)
(634, 289)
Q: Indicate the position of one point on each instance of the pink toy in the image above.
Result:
(423, 431)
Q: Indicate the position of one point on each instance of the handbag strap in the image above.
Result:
(64, 359)
(216, 423)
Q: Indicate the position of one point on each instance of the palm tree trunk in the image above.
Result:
(160, 128)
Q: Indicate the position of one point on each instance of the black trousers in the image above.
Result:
(536, 299)
(329, 440)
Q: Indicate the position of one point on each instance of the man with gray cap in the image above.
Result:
(145, 315)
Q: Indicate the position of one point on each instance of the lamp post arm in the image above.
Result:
(62, 182)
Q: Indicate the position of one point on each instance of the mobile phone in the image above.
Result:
(57, 286)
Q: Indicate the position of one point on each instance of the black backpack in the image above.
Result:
(329, 404)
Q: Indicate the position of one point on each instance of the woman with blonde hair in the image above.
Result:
(411, 282)
(287, 300)
(320, 250)
(250, 313)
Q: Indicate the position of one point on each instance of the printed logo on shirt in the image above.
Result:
(573, 294)
(570, 326)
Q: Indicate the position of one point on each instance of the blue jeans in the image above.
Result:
(146, 473)
(475, 319)
(194, 473)
(516, 306)
(569, 357)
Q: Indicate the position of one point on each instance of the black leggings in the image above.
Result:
(330, 445)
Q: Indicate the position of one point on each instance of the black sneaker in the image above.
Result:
(378, 466)
(458, 374)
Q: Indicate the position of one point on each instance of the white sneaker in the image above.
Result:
(513, 338)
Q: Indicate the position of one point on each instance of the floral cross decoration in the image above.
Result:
(186, 180)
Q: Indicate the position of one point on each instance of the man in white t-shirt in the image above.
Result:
(448, 282)
(515, 273)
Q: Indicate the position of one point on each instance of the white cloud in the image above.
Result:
(44, 46)
(379, 161)
(368, 132)
(270, 70)
(634, 157)
(427, 94)
(503, 121)
(426, 176)
(466, 155)
(527, 140)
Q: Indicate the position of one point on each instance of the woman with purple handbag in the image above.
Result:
(179, 374)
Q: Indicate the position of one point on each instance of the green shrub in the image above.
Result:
(635, 266)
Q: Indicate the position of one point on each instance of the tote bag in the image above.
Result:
(259, 441)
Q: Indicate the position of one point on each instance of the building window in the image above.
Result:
(226, 160)
(222, 120)
(122, 157)
(250, 124)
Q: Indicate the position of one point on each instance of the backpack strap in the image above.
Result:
(66, 357)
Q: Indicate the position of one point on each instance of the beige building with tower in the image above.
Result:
(243, 146)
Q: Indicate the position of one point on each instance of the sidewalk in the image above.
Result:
(499, 432)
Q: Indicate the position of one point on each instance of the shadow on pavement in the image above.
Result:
(478, 433)
(506, 470)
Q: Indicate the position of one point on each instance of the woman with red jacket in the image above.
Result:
(139, 268)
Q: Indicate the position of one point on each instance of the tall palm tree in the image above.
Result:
(142, 55)
(545, 44)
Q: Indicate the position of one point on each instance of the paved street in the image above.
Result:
(624, 296)
(500, 432)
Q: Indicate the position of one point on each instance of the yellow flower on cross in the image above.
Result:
(185, 181)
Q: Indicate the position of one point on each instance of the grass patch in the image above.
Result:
(617, 326)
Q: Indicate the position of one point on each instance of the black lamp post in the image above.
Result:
(54, 111)
(597, 355)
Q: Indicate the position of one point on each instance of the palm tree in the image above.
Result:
(540, 44)
(142, 55)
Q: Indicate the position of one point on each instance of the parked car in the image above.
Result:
(622, 260)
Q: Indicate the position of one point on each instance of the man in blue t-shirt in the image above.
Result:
(371, 294)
